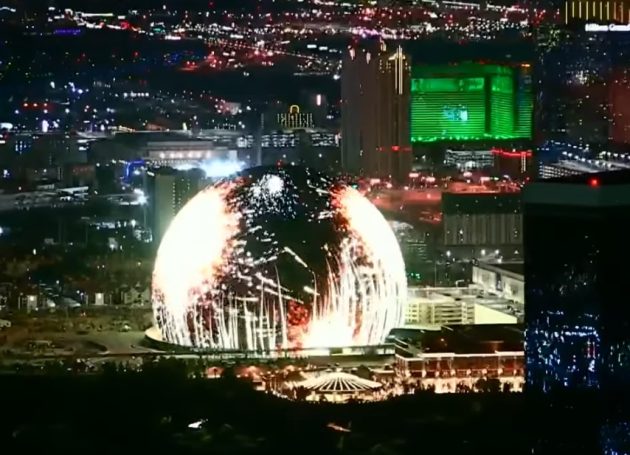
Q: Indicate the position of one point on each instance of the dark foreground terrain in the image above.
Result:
(150, 412)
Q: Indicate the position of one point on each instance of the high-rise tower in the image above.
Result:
(577, 325)
(169, 190)
(375, 136)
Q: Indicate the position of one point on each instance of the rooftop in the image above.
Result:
(599, 189)
(617, 177)
(516, 268)
(450, 297)
(464, 339)
(481, 203)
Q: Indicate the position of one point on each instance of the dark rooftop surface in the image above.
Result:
(470, 339)
(480, 203)
(602, 191)
(620, 177)
(513, 267)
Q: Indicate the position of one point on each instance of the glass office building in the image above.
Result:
(576, 245)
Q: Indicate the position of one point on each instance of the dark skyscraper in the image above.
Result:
(375, 136)
(578, 322)
(168, 191)
(619, 94)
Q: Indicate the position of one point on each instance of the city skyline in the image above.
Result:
(382, 225)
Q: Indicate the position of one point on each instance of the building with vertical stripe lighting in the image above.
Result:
(601, 11)
(375, 136)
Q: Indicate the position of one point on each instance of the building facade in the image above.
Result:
(462, 352)
(577, 325)
(375, 135)
(502, 279)
(475, 222)
(459, 306)
(168, 191)
(470, 101)
(512, 162)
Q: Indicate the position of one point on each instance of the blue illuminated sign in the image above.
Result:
(458, 114)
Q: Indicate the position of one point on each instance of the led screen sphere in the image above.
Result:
(278, 258)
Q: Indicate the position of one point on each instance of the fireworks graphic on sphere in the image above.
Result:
(278, 258)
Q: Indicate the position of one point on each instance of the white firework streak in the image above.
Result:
(184, 262)
(366, 300)
(363, 299)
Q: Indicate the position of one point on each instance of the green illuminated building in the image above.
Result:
(525, 103)
(469, 101)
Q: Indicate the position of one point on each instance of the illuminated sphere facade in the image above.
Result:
(278, 258)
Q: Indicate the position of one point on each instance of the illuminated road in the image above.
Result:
(224, 43)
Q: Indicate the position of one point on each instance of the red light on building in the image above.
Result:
(395, 148)
(594, 182)
(515, 163)
(512, 153)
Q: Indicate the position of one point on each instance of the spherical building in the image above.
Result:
(278, 258)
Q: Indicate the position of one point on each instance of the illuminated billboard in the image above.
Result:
(470, 102)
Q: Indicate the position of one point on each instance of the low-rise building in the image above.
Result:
(462, 351)
(136, 295)
(466, 305)
(476, 220)
(501, 279)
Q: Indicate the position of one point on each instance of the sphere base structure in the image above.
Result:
(154, 340)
